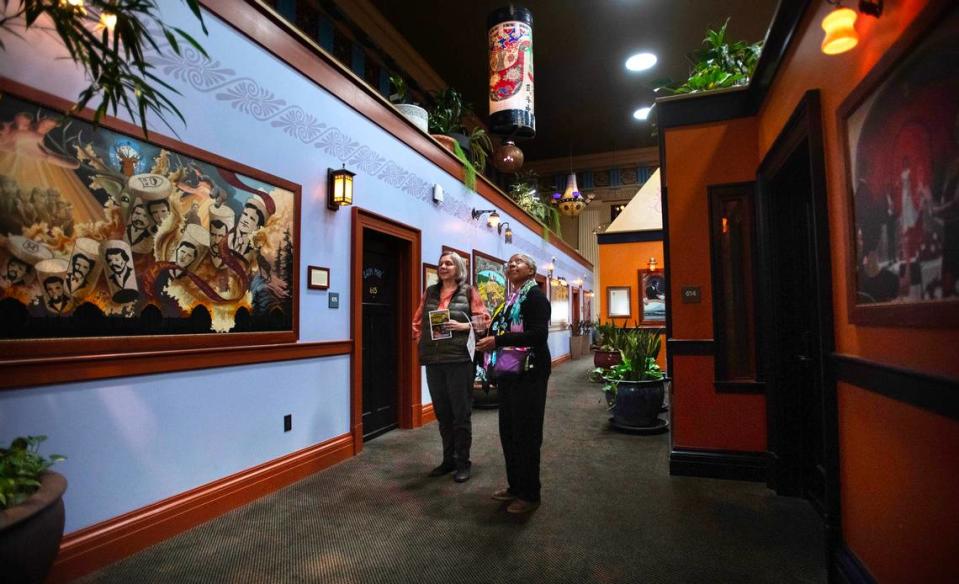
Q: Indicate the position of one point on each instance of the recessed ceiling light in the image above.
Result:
(642, 113)
(640, 61)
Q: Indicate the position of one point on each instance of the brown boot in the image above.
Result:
(520, 506)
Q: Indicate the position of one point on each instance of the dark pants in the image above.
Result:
(451, 388)
(522, 405)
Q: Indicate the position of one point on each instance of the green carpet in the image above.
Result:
(610, 513)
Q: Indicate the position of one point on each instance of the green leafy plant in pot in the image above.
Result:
(31, 510)
(446, 124)
(718, 64)
(635, 388)
(608, 344)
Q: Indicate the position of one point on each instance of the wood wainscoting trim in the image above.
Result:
(719, 464)
(19, 373)
(561, 359)
(427, 414)
(91, 548)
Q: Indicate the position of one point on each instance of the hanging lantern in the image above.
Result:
(571, 203)
(511, 72)
(508, 158)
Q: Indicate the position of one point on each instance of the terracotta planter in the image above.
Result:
(446, 141)
(30, 532)
(607, 359)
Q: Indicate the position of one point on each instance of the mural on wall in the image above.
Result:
(653, 286)
(102, 234)
(489, 279)
(902, 152)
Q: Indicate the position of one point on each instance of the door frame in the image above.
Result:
(803, 130)
(409, 401)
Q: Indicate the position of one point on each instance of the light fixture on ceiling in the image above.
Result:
(641, 62)
(508, 157)
(642, 113)
(839, 25)
(492, 220)
(571, 203)
(508, 237)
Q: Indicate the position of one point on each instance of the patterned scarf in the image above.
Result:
(508, 314)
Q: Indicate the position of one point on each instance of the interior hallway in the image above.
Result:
(610, 513)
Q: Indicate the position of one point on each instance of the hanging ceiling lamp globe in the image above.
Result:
(508, 158)
(571, 203)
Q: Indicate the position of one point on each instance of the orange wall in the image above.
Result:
(696, 157)
(898, 468)
(619, 265)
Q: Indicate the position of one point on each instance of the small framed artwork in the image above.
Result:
(466, 258)
(489, 278)
(652, 284)
(618, 302)
(898, 132)
(317, 278)
(430, 275)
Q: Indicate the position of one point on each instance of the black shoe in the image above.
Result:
(441, 470)
(462, 475)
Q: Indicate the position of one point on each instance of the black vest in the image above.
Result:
(445, 350)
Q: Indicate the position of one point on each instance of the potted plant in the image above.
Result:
(446, 125)
(718, 64)
(609, 338)
(524, 193)
(31, 510)
(401, 101)
(579, 340)
(636, 387)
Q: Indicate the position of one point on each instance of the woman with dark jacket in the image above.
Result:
(449, 366)
(522, 321)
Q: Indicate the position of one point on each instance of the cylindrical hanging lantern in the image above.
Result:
(511, 72)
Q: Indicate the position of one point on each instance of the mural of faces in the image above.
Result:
(159, 210)
(17, 270)
(80, 268)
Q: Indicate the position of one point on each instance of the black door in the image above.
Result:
(798, 359)
(380, 341)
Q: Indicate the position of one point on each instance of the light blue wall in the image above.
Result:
(134, 441)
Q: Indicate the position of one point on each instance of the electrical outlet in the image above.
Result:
(287, 422)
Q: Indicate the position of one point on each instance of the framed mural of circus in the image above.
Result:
(111, 243)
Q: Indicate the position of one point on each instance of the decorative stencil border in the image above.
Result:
(246, 95)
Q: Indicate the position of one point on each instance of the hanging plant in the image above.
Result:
(109, 40)
(717, 64)
(524, 193)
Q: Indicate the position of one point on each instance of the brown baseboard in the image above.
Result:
(428, 415)
(91, 548)
(560, 360)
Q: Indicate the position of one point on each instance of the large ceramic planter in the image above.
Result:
(30, 532)
(637, 406)
(606, 359)
(415, 114)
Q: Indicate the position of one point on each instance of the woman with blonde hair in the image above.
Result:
(449, 365)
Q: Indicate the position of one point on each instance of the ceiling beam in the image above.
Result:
(648, 156)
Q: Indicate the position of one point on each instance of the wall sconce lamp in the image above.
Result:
(509, 232)
(550, 267)
(839, 25)
(339, 184)
(492, 220)
(560, 282)
(652, 264)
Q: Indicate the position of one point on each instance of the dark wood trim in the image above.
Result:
(689, 347)
(848, 568)
(26, 354)
(719, 464)
(738, 102)
(930, 392)
(745, 386)
(20, 373)
(263, 26)
(408, 367)
(560, 360)
(717, 194)
(925, 314)
(96, 546)
(630, 236)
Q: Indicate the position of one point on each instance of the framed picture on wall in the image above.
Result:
(430, 275)
(489, 279)
(466, 258)
(652, 285)
(559, 302)
(113, 243)
(902, 173)
(618, 302)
